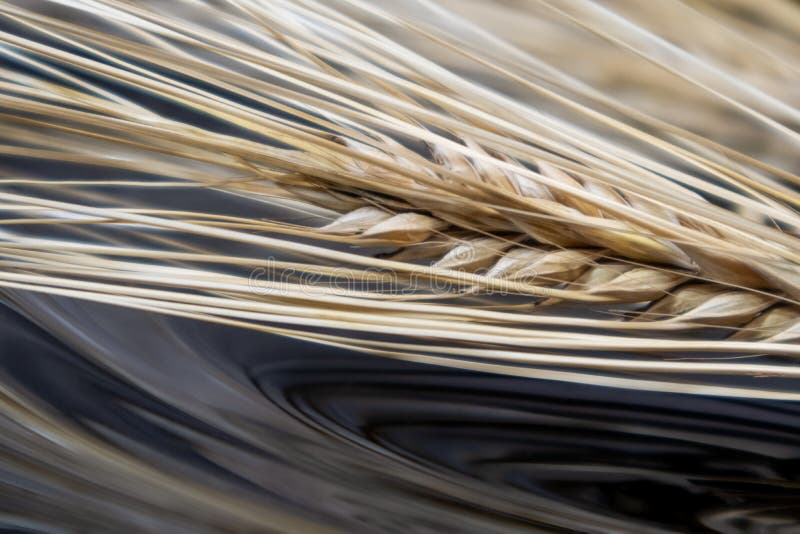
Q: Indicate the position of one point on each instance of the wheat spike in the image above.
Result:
(690, 305)
(380, 197)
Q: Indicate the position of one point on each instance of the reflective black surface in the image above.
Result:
(302, 437)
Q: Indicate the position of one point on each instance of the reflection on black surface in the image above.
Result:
(140, 422)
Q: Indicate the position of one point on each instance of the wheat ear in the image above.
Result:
(566, 197)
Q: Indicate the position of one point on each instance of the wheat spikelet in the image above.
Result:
(416, 177)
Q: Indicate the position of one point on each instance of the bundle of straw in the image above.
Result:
(402, 181)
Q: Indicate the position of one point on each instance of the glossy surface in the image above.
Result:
(143, 422)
